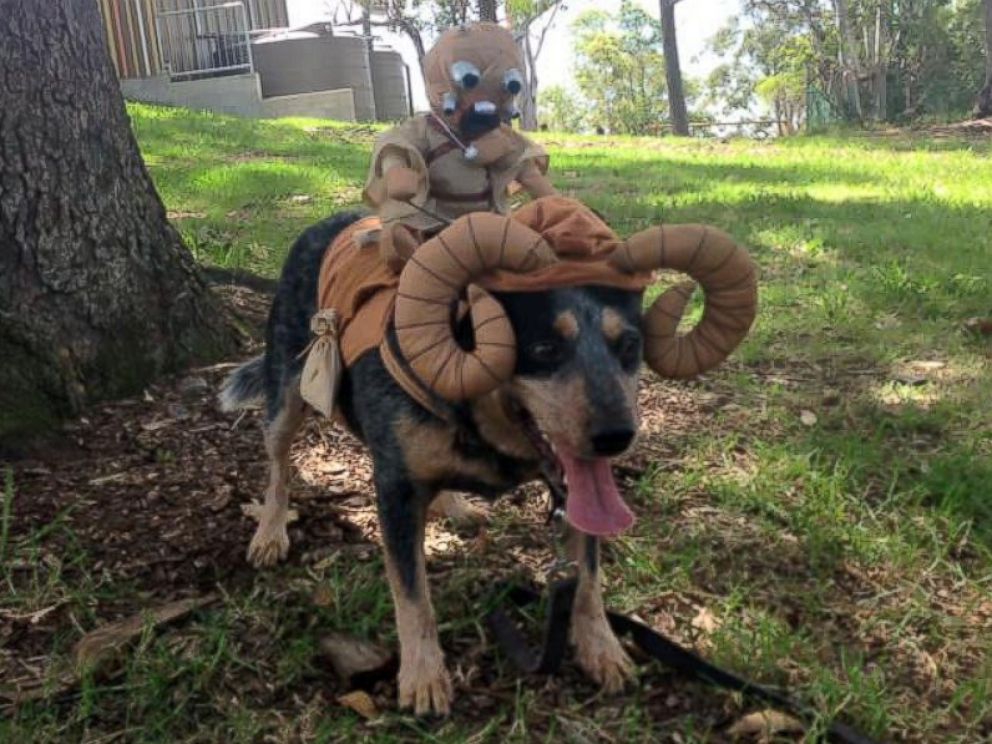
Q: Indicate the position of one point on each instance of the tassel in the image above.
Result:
(321, 376)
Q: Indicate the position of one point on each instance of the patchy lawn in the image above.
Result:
(816, 514)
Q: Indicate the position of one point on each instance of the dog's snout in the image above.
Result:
(611, 440)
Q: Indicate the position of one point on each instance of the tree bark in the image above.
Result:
(849, 60)
(487, 10)
(983, 106)
(673, 70)
(98, 295)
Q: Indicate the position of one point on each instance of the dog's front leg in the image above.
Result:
(424, 683)
(598, 651)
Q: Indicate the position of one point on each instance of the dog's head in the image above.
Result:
(566, 358)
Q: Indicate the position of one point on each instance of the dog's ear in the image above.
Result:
(729, 280)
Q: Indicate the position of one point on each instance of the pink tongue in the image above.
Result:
(594, 504)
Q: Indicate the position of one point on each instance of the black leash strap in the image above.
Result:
(652, 643)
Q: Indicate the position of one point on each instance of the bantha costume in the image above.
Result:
(357, 289)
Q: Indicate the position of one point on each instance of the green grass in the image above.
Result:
(850, 559)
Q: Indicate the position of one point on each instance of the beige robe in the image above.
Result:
(450, 185)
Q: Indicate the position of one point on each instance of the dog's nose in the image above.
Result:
(612, 440)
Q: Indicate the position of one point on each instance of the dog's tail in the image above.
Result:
(245, 386)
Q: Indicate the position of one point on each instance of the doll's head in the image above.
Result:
(473, 74)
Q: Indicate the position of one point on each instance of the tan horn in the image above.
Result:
(431, 283)
(729, 280)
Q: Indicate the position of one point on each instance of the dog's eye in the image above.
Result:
(628, 348)
(546, 352)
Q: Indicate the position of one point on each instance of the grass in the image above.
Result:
(847, 555)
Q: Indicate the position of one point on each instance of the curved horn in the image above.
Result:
(729, 280)
(432, 281)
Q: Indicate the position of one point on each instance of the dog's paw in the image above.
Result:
(601, 656)
(425, 684)
(270, 543)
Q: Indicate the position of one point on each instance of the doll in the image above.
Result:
(461, 156)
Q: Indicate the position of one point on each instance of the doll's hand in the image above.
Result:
(401, 183)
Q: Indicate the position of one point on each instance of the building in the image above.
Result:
(241, 57)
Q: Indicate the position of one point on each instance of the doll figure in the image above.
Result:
(461, 156)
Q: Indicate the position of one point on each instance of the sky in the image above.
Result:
(696, 20)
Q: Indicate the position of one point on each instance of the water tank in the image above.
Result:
(308, 61)
(390, 85)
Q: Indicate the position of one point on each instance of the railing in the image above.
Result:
(204, 41)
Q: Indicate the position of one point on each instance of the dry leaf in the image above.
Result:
(925, 365)
(705, 621)
(765, 724)
(99, 649)
(323, 596)
(160, 424)
(979, 326)
(360, 702)
(807, 417)
(350, 656)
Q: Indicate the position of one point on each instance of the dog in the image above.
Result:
(568, 407)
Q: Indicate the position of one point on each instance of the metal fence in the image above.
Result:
(204, 41)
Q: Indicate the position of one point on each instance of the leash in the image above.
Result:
(548, 660)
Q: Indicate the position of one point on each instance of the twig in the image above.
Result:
(8, 508)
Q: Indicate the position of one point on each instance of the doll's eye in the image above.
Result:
(465, 74)
(513, 81)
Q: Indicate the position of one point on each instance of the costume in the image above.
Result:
(462, 156)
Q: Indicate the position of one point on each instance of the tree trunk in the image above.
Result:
(97, 293)
(673, 70)
(487, 10)
(983, 106)
(849, 60)
(528, 98)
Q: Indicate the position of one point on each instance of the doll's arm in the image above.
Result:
(534, 182)
(400, 179)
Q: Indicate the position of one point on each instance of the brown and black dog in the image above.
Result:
(569, 406)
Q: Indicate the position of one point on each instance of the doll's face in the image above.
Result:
(474, 74)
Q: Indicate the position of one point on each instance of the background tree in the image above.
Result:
(983, 107)
(562, 110)
(866, 60)
(619, 70)
(530, 21)
(97, 293)
(487, 10)
(673, 69)
(421, 21)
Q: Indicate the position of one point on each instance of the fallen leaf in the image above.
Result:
(96, 651)
(765, 724)
(156, 425)
(830, 398)
(808, 418)
(927, 365)
(911, 379)
(332, 467)
(705, 621)
(222, 498)
(351, 656)
(323, 596)
(979, 326)
(107, 479)
(360, 702)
